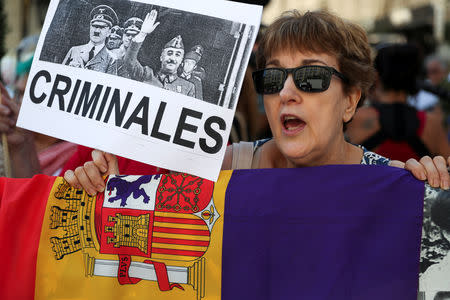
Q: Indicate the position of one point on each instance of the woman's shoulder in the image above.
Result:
(372, 158)
(243, 155)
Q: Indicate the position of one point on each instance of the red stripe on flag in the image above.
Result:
(22, 208)
(178, 252)
(180, 242)
(180, 220)
(181, 231)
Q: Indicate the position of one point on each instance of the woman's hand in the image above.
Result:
(90, 175)
(432, 169)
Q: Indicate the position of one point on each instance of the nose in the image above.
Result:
(290, 93)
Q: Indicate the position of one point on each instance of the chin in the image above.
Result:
(293, 150)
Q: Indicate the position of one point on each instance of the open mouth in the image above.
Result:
(292, 123)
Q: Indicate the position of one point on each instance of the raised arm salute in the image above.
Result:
(171, 58)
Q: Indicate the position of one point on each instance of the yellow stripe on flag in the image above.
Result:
(175, 215)
(181, 226)
(173, 257)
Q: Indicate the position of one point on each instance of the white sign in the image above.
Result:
(155, 81)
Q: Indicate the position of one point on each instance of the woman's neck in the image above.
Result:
(339, 154)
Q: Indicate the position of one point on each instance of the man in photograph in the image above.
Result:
(189, 64)
(171, 57)
(132, 27)
(114, 40)
(94, 55)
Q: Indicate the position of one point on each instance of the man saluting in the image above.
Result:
(171, 58)
(94, 55)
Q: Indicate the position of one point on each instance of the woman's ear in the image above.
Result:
(352, 100)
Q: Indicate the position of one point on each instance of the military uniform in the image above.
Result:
(197, 84)
(132, 26)
(194, 54)
(116, 35)
(146, 74)
(102, 60)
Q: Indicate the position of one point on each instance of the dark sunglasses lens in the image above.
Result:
(268, 81)
(312, 79)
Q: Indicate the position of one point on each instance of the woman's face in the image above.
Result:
(307, 127)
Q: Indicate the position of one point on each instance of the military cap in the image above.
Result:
(195, 53)
(133, 25)
(116, 32)
(176, 42)
(104, 15)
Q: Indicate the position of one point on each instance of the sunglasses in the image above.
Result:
(310, 79)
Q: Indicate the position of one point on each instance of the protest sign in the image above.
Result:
(153, 80)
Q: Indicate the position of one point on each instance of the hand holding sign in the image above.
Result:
(132, 100)
(90, 175)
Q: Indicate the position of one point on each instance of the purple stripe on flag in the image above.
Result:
(332, 232)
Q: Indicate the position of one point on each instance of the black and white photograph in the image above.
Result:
(160, 76)
(434, 277)
(188, 53)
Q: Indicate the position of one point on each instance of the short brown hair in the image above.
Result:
(322, 32)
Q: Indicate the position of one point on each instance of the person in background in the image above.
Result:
(131, 28)
(437, 69)
(436, 73)
(114, 40)
(389, 126)
(30, 153)
(314, 68)
(188, 66)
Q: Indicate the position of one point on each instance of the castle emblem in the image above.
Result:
(159, 227)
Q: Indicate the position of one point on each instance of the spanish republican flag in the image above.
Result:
(335, 232)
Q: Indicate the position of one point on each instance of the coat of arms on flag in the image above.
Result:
(247, 236)
(155, 228)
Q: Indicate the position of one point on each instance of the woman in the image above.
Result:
(389, 126)
(316, 68)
